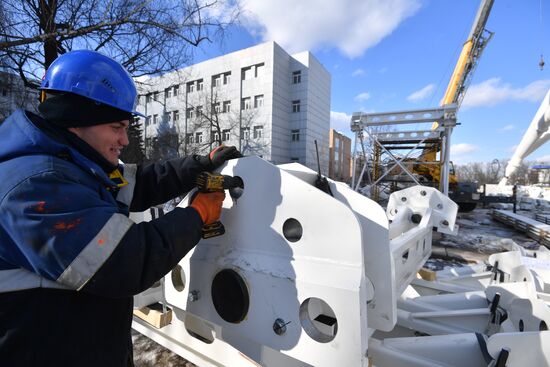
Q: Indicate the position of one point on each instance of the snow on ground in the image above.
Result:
(148, 353)
(478, 237)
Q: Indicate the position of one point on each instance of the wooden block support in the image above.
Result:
(153, 315)
(427, 274)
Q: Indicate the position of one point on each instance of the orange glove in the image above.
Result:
(208, 205)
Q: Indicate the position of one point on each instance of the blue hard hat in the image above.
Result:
(94, 76)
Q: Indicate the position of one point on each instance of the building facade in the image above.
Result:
(260, 99)
(339, 156)
(14, 95)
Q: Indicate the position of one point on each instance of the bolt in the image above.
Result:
(194, 295)
(445, 222)
(423, 193)
(279, 326)
(439, 206)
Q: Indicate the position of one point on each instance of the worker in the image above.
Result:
(70, 258)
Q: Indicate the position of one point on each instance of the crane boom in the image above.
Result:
(469, 56)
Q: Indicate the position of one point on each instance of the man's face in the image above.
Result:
(107, 139)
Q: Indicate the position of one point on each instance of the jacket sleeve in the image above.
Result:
(147, 252)
(156, 183)
(65, 229)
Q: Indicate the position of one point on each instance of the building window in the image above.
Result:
(258, 101)
(189, 113)
(226, 106)
(216, 108)
(258, 132)
(200, 85)
(168, 93)
(295, 135)
(5, 92)
(148, 120)
(199, 111)
(225, 135)
(155, 119)
(216, 81)
(215, 136)
(296, 106)
(190, 87)
(167, 116)
(296, 77)
(156, 96)
(247, 73)
(246, 103)
(259, 70)
(226, 78)
(176, 90)
(148, 98)
(176, 116)
(245, 133)
(198, 138)
(189, 138)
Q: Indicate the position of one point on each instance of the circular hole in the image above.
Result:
(403, 199)
(423, 193)
(318, 320)
(178, 278)
(520, 325)
(230, 296)
(543, 326)
(292, 230)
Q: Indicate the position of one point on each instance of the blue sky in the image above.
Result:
(388, 55)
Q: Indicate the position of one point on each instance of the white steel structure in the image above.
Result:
(312, 279)
(536, 135)
(267, 103)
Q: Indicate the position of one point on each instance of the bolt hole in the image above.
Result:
(416, 218)
(318, 320)
(521, 325)
(292, 230)
(405, 255)
(230, 296)
(403, 199)
(178, 278)
(423, 193)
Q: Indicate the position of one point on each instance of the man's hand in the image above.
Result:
(219, 156)
(208, 205)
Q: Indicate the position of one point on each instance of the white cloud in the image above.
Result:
(358, 72)
(340, 121)
(362, 97)
(543, 159)
(508, 127)
(349, 25)
(494, 91)
(463, 148)
(421, 94)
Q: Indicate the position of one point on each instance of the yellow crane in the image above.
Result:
(454, 94)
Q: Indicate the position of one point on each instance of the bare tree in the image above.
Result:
(147, 37)
(214, 120)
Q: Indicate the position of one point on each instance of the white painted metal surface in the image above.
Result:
(536, 135)
(317, 275)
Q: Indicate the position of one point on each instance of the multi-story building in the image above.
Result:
(14, 95)
(260, 99)
(339, 167)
